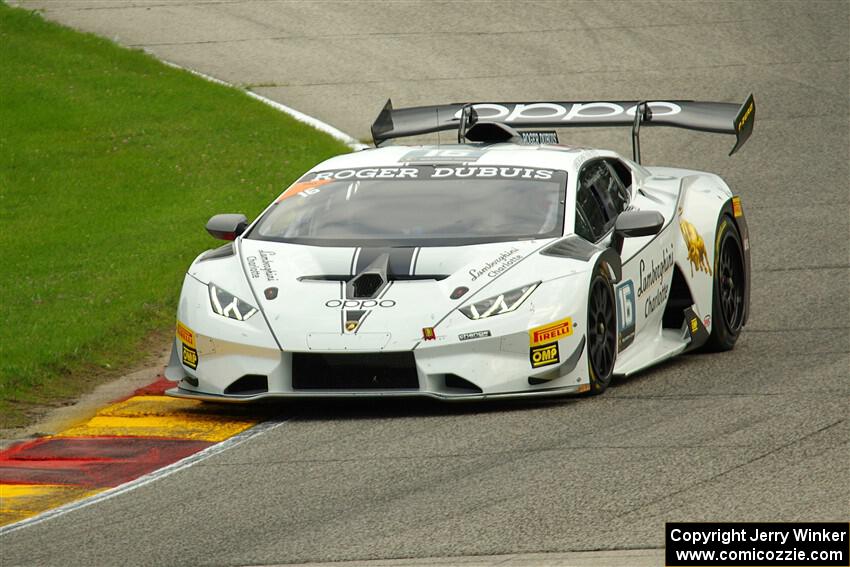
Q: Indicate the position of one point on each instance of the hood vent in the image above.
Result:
(368, 283)
(390, 277)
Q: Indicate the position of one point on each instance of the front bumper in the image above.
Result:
(451, 372)
(241, 361)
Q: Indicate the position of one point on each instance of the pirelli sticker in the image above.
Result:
(544, 355)
(737, 210)
(189, 348)
(551, 332)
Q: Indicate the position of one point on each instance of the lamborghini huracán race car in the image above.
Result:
(504, 265)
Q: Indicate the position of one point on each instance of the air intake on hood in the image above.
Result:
(390, 277)
(371, 280)
(366, 285)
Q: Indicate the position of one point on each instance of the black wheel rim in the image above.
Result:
(731, 283)
(602, 332)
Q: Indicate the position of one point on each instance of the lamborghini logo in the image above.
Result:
(697, 255)
(350, 325)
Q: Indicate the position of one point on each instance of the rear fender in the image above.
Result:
(704, 199)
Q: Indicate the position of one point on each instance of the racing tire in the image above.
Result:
(601, 332)
(729, 288)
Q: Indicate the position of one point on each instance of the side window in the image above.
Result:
(622, 172)
(583, 226)
(604, 190)
(596, 211)
(622, 177)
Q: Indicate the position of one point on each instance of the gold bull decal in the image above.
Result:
(697, 255)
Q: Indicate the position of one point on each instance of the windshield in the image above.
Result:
(418, 206)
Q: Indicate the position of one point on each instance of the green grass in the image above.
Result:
(110, 165)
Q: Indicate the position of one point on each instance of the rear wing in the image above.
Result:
(716, 117)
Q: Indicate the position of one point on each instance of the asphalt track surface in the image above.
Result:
(760, 433)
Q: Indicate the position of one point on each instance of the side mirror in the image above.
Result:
(636, 223)
(227, 226)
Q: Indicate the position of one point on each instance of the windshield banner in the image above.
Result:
(434, 172)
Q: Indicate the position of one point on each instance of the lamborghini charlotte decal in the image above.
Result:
(261, 264)
(653, 295)
(497, 265)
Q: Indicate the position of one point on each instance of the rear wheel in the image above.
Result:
(730, 284)
(601, 332)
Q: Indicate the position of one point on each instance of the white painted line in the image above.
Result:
(350, 141)
(186, 462)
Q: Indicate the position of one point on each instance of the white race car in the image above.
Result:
(504, 265)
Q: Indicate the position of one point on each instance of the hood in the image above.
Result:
(309, 303)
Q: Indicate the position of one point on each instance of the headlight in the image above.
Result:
(498, 304)
(228, 305)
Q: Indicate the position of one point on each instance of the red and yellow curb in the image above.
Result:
(123, 441)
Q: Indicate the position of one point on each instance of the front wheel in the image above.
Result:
(601, 332)
(730, 284)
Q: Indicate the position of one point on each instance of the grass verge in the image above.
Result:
(110, 165)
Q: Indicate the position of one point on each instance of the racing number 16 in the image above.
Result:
(625, 314)
(626, 301)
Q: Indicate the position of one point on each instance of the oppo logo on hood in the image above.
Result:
(359, 303)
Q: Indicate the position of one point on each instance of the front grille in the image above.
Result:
(381, 371)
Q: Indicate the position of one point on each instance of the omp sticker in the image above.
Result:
(551, 332)
(190, 357)
(185, 334)
(625, 314)
(737, 210)
(544, 355)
